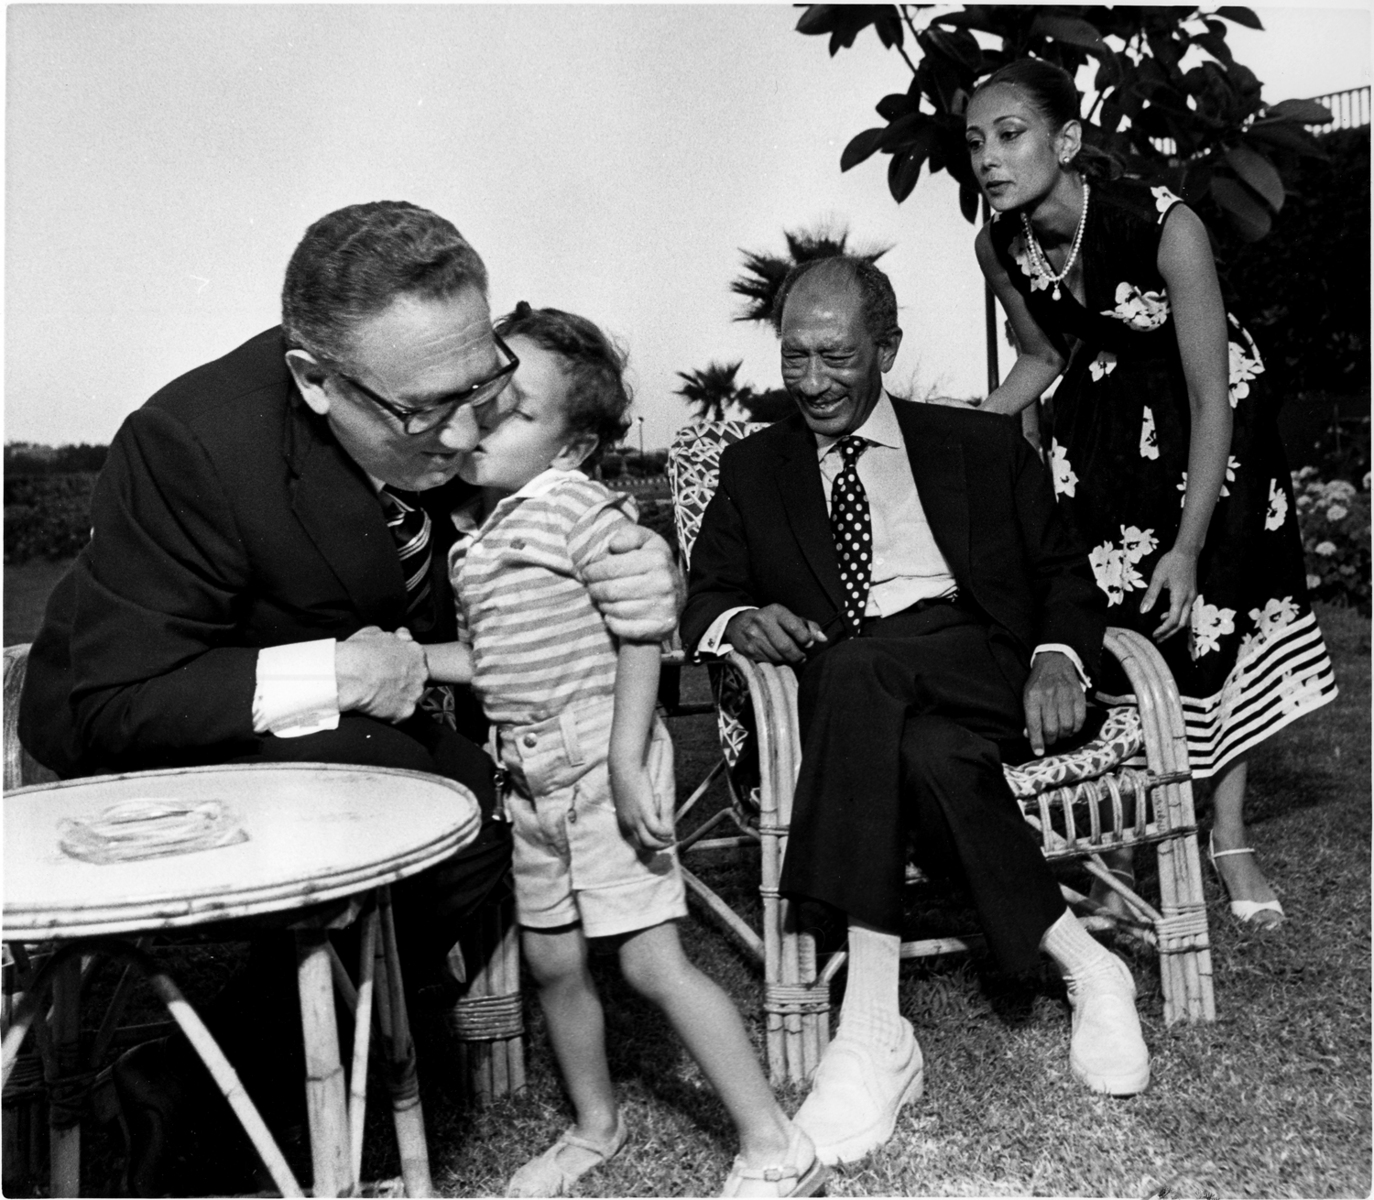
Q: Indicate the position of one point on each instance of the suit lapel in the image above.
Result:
(339, 511)
(803, 500)
(937, 465)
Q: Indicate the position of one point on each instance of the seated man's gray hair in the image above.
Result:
(354, 262)
(875, 291)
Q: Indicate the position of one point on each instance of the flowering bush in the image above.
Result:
(1334, 519)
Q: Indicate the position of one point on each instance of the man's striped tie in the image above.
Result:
(410, 529)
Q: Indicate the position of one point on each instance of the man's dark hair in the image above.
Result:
(598, 397)
(353, 263)
(877, 299)
(1050, 91)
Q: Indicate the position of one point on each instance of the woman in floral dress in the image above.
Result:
(1162, 441)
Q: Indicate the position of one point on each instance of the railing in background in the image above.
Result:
(1350, 109)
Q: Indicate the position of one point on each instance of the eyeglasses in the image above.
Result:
(422, 420)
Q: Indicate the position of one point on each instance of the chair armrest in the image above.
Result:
(773, 696)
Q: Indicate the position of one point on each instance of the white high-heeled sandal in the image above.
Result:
(1245, 911)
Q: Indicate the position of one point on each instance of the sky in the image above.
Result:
(161, 163)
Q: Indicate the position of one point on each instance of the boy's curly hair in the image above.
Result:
(598, 397)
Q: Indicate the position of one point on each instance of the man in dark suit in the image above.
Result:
(269, 549)
(909, 560)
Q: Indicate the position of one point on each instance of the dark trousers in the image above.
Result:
(903, 732)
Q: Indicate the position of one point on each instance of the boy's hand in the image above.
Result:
(637, 807)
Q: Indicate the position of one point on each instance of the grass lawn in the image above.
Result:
(1272, 1100)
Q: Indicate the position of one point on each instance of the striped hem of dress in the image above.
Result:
(1285, 676)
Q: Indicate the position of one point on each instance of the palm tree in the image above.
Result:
(713, 390)
(764, 273)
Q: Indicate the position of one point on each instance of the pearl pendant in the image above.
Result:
(1055, 294)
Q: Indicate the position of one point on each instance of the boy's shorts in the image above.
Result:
(571, 861)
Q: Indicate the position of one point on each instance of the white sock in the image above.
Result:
(869, 1011)
(1073, 948)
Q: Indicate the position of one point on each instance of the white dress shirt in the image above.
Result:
(908, 565)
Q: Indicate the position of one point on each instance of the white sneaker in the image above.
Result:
(856, 1094)
(1106, 1050)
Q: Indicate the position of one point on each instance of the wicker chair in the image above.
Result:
(1129, 787)
(486, 1021)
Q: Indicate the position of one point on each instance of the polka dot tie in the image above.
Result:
(852, 529)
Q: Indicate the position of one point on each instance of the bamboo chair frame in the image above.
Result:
(1082, 819)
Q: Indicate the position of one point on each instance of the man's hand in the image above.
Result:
(637, 586)
(636, 807)
(773, 634)
(379, 674)
(1055, 706)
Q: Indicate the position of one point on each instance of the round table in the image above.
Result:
(293, 836)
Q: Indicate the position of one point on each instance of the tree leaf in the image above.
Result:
(968, 200)
(906, 132)
(888, 26)
(860, 147)
(1252, 221)
(1073, 30)
(1258, 172)
(1241, 16)
(903, 172)
(1215, 46)
(960, 45)
(896, 104)
(817, 19)
(1305, 112)
(1287, 136)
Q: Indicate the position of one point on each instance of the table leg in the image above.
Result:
(362, 1030)
(324, 1076)
(402, 1079)
(64, 1117)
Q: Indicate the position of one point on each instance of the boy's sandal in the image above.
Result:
(800, 1173)
(547, 1175)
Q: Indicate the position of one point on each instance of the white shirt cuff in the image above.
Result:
(297, 692)
(1071, 654)
(711, 640)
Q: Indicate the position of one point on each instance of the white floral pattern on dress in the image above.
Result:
(1232, 466)
(1245, 363)
(1275, 616)
(1164, 200)
(1149, 440)
(1278, 507)
(1207, 626)
(1140, 310)
(1103, 364)
(1019, 251)
(1065, 481)
(1114, 567)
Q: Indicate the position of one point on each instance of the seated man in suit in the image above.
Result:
(909, 560)
(269, 554)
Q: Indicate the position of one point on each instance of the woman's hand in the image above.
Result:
(636, 806)
(1177, 571)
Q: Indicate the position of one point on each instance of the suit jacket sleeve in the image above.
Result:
(158, 660)
(1069, 606)
(719, 576)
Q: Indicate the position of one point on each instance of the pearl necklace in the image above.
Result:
(1038, 259)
